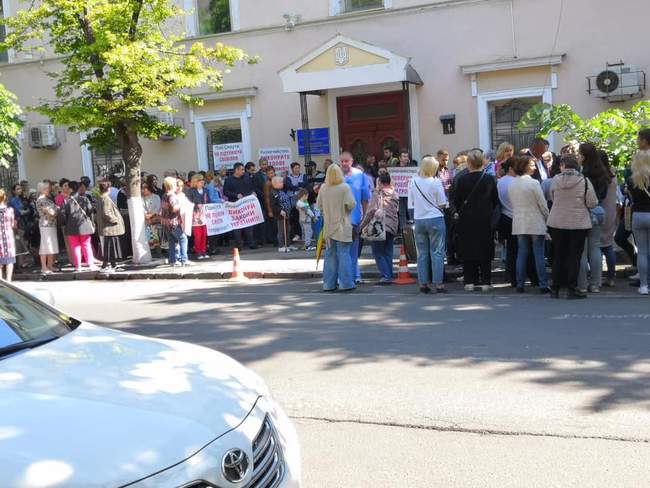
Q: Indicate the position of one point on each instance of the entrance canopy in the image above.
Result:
(342, 63)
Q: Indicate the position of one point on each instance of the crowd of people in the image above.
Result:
(566, 211)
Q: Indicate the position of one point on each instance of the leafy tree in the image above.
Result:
(10, 127)
(121, 62)
(613, 130)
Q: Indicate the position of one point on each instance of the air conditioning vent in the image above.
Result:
(42, 137)
(617, 82)
(167, 119)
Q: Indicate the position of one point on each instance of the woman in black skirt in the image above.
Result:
(110, 226)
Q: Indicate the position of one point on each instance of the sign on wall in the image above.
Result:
(278, 157)
(226, 155)
(401, 177)
(319, 141)
(224, 217)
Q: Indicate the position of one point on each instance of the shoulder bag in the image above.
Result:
(597, 214)
(427, 200)
(376, 228)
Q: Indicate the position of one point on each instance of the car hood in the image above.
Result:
(99, 407)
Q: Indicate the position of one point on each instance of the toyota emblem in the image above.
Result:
(235, 465)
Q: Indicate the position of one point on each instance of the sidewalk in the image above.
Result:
(264, 263)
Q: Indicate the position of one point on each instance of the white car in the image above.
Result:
(84, 406)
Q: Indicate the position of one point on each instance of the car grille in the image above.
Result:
(268, 463)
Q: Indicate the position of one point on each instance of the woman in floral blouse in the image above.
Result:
(47, 223)
(7, 239)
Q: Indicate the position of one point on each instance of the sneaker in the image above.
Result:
(609, 283)
(593, 289)
(292, 248)
(635, 277)
(177, 264)
(643, 290)
(485, 288)
(469, 287)
(107, 270)
(311, 248)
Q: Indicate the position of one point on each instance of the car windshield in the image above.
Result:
(25, 322)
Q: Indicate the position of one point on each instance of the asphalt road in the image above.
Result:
(390, 388)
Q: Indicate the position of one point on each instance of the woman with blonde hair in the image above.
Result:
(639, 189)
(504, 152)
(336, 202)
(427, 198)
(7, 240)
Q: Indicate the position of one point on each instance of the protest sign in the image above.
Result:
(224, 217)
(226, 155)
(278, 157)
(401, 177)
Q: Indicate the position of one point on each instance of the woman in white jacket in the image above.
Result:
(530, 212)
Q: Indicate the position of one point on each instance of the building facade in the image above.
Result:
(364, 74)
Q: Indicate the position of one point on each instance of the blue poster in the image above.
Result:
(319, 141)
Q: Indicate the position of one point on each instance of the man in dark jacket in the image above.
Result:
(235, 188)
(259, 181)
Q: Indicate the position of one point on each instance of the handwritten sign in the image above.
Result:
(401, 178)
(224, 217)
(226, 155)
(278, 157)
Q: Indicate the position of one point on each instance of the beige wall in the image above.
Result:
(438, 41)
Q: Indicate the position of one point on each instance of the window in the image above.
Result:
(356, 5)
(107, 163)
(214, 16)
(9, 175)
(222, 132)
(4, 55)
(504, 117)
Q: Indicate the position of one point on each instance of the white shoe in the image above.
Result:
(643, 290)
(469, 287)
(635, 277)
(485, 287)
(282, 249)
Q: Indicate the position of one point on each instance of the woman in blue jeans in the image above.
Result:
(335, 202)
(639, 189)
(384, 205)
(426, 196)
(529, 214)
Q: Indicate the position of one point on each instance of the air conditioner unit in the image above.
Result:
(618, 82)
(167, 119)
(43, 137)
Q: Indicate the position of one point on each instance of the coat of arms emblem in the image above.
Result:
(342, 55)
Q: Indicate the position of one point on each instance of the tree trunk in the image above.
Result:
(132, 156)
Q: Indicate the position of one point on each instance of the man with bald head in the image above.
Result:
(356, 180)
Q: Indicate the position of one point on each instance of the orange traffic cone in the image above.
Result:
(237, 273)
(403, 276)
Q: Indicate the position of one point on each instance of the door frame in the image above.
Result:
(333, 95)
(201, 134)
(482, 102)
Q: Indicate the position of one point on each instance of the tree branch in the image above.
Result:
(133, 28)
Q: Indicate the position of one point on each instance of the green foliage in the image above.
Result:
(120, 64)
(10, 127)
(214, 17)
(613, 130)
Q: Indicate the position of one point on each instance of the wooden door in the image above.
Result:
(367, 123)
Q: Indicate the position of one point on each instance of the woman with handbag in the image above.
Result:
(569, 222)
(592, 259)
(475, 198)
(79, 227)
(379, 226)
(427, 198)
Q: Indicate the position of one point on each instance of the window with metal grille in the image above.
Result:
(356, 5)
(4, 54)
(9, 175)
(213, 16)
(107, 163)
(504, 117)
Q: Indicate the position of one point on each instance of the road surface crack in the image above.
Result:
(464, 430)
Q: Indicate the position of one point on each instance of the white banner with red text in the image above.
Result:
(401, 178)
(224, 217)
